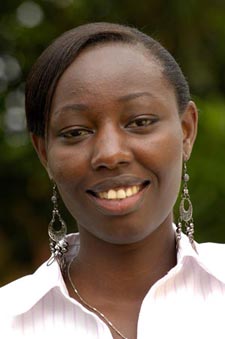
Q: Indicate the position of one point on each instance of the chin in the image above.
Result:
(125, 236)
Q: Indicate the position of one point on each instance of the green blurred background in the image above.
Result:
(192, 30)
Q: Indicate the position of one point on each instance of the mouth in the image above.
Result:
(118, 193)
(116, 198)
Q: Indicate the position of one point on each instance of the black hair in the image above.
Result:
(45, 73)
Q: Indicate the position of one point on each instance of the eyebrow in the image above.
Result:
(73, 107)
(132, 96)
(82, 107)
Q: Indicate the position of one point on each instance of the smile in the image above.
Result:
(120, 193)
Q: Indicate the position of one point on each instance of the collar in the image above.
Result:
(46, 278)
(208, 256)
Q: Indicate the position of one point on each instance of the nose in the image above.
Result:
(110, 149)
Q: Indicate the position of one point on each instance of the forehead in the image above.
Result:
(112, 69)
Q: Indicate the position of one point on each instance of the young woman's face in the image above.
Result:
(116, 142)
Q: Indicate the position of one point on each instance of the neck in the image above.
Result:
(113, 269)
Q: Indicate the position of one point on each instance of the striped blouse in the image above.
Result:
(188, 302)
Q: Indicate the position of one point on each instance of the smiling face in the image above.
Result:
(116, 142)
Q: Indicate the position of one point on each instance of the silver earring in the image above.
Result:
(185, 211)
(58, 243)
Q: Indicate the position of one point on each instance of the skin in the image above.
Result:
(128, 121)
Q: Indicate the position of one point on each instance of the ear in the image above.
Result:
(40, 147)
(189, 120)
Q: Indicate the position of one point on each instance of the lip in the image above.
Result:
(118, 206)
(117, 182)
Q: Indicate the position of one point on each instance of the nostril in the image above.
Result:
(124, 163)
(111, 154)
(109, 163)
(112, 166)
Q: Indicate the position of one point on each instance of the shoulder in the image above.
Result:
(18, 285)
(211, 251)
(13, 296)
(21, 294)
(23, 282)
(212, 256)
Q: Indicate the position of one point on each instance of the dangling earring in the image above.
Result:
(58, 243)
(186, 212)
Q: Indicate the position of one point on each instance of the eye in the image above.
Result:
(75, 133)
(142, 122)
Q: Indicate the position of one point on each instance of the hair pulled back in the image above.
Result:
(51, 64)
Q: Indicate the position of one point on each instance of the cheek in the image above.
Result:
(162, 155)
(165, 148)
(67, 164)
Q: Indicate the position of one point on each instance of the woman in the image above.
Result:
(110, 116)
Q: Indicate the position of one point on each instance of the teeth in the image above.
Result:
(121, 193)
(129, 192)
(105, 195)
(134, 189)
(112, 194)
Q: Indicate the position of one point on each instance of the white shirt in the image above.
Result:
(188, 302)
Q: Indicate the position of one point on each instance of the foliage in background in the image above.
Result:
(193, 31)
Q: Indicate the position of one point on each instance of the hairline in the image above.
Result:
(140, 46)
(71, 44)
